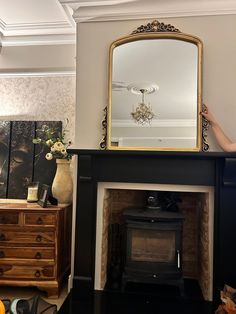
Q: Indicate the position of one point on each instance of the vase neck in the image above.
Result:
(62, 161)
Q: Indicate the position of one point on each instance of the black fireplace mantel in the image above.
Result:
(214, 169)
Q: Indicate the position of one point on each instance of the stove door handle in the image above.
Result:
(178, 259)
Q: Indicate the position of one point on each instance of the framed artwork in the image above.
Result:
(20, 160)
(43, 195)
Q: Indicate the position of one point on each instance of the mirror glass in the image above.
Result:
(155, 93)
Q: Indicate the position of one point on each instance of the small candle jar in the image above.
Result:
(33, 192)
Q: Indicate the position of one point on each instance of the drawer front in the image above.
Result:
(39, 219)
(39, 253)
(26, 237)
(8, 271)
(7, 218)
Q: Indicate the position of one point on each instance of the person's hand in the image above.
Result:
(208, 115)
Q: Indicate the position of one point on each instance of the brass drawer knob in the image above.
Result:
(37, 273)
(2, 255)
(39, 221)
(39, 238)
(38, 255)
(2, 237)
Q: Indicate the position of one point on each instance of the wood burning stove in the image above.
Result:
(153, 247)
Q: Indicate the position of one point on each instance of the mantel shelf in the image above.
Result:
(210, 155)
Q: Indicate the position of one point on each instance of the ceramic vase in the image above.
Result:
(62, 186)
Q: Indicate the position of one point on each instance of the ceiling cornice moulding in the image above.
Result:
(16, 41)
(173, 123)
(38, 74)
(0, 42)
(151, 9)
(75, 4)
(34, 29)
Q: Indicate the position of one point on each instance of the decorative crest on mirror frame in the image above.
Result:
(153, 27)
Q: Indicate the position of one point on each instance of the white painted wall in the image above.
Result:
(39, 58)
(219, 70)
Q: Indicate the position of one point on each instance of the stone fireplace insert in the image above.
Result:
(195, 204)
(217, 170)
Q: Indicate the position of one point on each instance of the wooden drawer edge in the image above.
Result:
(26, 262)
(29, 283)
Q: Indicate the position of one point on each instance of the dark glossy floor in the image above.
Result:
(126, 303)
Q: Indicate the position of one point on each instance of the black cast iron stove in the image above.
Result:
(153, 247)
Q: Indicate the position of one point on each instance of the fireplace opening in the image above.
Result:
(126, 256)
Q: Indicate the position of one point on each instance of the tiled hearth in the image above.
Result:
(197, 207)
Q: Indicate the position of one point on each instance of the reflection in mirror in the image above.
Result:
(155, 92)
(157, 70)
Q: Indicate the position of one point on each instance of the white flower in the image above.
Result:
(59, 146)
(49, 142)
(64, 152)
(37, 140)
(49, 156)
(54, 140)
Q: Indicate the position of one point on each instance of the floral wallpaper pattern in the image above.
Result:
(38, 98)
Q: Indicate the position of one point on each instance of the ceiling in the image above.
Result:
(34, 22)
(25, 22)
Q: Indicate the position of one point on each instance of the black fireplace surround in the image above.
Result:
(184, 168)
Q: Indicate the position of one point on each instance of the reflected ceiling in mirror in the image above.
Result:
(155, 91)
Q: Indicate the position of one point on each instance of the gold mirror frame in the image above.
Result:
(156, 30)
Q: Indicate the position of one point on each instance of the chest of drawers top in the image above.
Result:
(26, 214)
(28, 206)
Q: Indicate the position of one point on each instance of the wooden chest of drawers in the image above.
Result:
(35, 246)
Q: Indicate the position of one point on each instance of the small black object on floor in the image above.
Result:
(101, 302)
(34, 305)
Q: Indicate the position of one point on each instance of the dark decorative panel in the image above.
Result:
(5, 127)
(21, 158)
(44, 170)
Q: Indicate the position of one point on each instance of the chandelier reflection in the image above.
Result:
(143, 113)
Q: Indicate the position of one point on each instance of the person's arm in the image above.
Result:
(222, 139)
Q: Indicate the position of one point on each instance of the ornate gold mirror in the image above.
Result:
(155, 91)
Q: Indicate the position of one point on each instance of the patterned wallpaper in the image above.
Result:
(38, 98)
